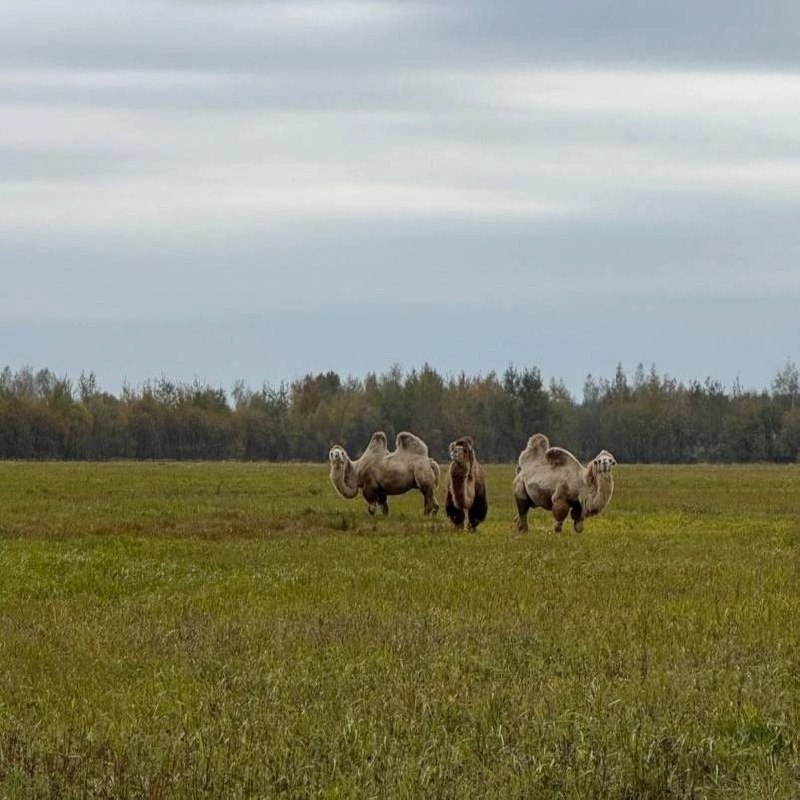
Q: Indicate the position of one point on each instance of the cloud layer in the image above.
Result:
(176, 164)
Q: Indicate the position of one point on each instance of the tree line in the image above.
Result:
(645, 417)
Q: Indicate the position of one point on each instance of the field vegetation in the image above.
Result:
(238, 630)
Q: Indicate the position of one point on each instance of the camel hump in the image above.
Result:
(558, 457)
(378, 441)
(534, 450)
(538, 444)
(410, 443)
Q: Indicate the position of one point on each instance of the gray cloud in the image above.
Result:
(714, 33)
(212, 36)
(201, 176)
(269, 35)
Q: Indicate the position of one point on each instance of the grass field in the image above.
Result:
(238, 630)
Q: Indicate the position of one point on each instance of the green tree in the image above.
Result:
(786, 384)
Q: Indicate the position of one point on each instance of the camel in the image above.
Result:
(380, 473)
(554, 479)
(466, 486)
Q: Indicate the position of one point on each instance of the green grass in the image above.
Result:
(238, 630)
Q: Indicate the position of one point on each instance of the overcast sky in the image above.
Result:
(218, 189)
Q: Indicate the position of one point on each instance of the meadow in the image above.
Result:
(238, 630)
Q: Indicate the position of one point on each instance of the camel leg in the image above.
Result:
(425, 479)
(560, 511)
(524, 503)
(576, 512)
(478, 510)
(430, 506)
(477, 513)
(454, 514)
(523, 506)
(372, 496)
(382, 502)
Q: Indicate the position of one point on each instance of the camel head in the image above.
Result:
(462, 451)
(603, 462)
(338, 456)
(343, 474)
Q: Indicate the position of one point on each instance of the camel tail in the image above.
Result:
(437, 472)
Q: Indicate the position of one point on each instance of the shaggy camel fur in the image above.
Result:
(466, 485)
(380, 473)
(554, 479)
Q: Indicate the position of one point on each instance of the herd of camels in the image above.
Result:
(547, 477)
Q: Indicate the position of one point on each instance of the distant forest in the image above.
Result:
(640, 418)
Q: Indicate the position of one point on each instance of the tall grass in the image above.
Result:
(238, 630)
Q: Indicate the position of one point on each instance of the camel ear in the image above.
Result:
(468, 440)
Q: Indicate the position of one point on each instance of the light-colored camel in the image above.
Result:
(553, 479)
(380, 473)
(466, 486)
